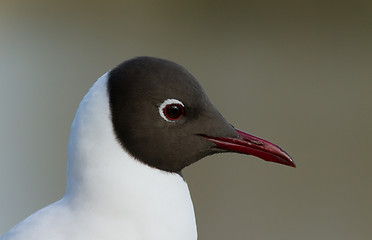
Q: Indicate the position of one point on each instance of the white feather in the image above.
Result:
(110, 195)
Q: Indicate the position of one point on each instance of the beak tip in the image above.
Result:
(286, 161)
(289, 161)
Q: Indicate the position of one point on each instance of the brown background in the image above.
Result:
(297, 73)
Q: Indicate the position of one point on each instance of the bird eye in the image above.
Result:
(171, 110)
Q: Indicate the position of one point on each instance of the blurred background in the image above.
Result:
(297, 73)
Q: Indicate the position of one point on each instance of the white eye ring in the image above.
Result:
(166, 103)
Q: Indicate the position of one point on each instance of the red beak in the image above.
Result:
(252, 145)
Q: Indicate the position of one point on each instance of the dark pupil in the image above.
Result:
(173, 111)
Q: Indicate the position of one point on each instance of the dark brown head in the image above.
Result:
(162, 116)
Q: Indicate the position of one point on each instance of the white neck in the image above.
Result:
(105, 178)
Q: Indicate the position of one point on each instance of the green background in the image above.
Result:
(297, 73)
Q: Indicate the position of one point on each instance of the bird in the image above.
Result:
(136, 129)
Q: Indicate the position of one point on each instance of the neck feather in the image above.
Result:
(104, 177)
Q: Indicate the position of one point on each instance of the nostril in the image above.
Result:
(254, 142)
